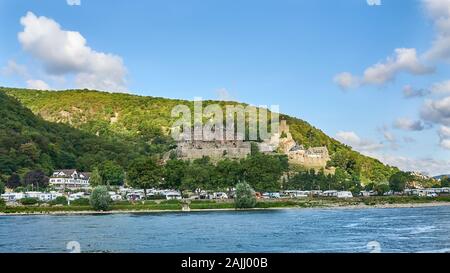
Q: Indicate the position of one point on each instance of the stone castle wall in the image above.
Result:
(216, 150)
(314, 157)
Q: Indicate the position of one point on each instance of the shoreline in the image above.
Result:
(326, 207)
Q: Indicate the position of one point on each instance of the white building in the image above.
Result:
(70, 179)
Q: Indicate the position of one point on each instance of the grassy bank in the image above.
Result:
(175, 205)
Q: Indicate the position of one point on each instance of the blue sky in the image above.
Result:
(289, 53)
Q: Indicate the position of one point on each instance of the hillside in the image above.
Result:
(27, 142)
(146, 120)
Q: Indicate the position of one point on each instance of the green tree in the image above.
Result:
(145, 173)
(381, 189)
(200, 174)
(36, 179)
(112, 173)
(229, 173)
(445, 182)
(245, 196)
(174, 173)
(263, 172)
(2, 187)
(13, 181)
(398, 181)
(100, 199)
(95, 179)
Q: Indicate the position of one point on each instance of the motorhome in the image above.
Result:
(344, 194)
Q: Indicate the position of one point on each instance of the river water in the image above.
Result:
(424, 229)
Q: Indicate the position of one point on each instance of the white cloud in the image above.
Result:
(437, 111)
(409, 124)
(445, 143)
(73, 2)
(353, 140)
(444, 135)
(65, 52)
(441, 88)
(37, 84)
(376, 150)
(444, 132)
(373, 2)
(425, 165)
(411, 92)
(389, 136)
(14, 69)
(439, 12)
(346, 80)
(403, 60)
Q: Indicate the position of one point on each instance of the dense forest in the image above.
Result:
(27, 142)
(83, 128)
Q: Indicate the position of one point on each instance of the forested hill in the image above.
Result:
(27, 142)
(126, 119)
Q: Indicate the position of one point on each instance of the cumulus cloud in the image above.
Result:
(427, 166)
(73, 2)
(439, 12)
(409, 124)
(437, 111)
(14, 69)
(441, 88)
(37, 84)
(444, 134)
(353, 140)
(411, 92)
(346, 80)
(370, 148)
(65, 52)
(403, 60)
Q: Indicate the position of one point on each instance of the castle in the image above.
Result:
(281, 142)
(215, 149)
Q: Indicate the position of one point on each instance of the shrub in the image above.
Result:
(2, 203)
(60, 200)
(245, 196)
(29, 201)
(156, 197)
(100, 199)
(80, 202)
(19, 189)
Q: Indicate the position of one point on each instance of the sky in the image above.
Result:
(373, 74)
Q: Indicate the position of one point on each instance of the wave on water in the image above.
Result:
(443, 250)
(423, 229)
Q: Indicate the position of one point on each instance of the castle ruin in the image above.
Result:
(281, 142)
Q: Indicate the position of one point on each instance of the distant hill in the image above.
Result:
(439, 177)
(131, 119)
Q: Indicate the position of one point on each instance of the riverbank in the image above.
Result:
(204, 206)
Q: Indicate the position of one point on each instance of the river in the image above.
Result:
(395, 230)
